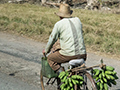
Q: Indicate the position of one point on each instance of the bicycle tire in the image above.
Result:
(41, 80)
(90, 83)
(43, 83)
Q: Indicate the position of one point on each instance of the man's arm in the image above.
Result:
(52, 39)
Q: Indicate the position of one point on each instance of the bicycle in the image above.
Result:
(77, 69)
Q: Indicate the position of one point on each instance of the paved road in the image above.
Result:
(9, 83)
(20, 59)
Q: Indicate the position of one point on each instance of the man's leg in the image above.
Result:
(55, 59)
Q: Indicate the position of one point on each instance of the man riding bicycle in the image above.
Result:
(66, 40)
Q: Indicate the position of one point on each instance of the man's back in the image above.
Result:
(70, 35)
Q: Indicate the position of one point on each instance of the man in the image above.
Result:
(67, 33)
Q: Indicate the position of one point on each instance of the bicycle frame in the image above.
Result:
(81, 69)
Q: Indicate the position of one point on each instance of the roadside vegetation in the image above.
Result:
(101, 30)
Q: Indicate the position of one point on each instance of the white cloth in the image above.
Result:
(76, 62)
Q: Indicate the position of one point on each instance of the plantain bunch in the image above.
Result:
(104, 77)
(70, 81)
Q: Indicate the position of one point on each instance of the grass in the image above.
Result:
(27, 20)
(101, 30)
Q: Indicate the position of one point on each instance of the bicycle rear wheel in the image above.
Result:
(41, 80)
(52, 85)
(89, 83)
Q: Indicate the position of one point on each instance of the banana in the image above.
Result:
(97, 72)
(109, 68)
(66, 81)
(101, 81)
(63, 80)
(98, 85)
(77, 77)
(59, 75)
(71, 85)
(81, 82)
(62, 86)
(114, 73)
(70, 82)
(100, 75)
(101, 86)
(74, 77)
(68, 87)
(93, 71)
(107, 76)
(109, 83)
(97, 78)
(74, 82)
(105, 86)
(108, 72)
(111, 77)
(69, 79)
(94, 77)
(80, 77)
(113, 82)
(103, 74)
(65, 89)
(105, 80)
(115, 76)
(62, 74)
(67, 73)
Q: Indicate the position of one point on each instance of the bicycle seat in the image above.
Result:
(76, 62)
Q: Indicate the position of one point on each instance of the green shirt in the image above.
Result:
(69, 32)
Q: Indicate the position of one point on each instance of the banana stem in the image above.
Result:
(84, 68)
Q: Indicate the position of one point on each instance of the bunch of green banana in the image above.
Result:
(70, 81)
(104, 77)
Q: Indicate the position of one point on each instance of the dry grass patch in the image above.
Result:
(101, 30)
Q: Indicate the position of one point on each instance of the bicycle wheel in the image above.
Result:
(41, 80)
(52, 84)
(89, 83)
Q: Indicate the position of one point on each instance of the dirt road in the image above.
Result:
(20, 58)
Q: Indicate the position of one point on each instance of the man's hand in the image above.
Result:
(44, 52)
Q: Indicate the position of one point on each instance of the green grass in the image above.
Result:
(101, 30)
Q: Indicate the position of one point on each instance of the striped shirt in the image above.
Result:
(69, 32)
